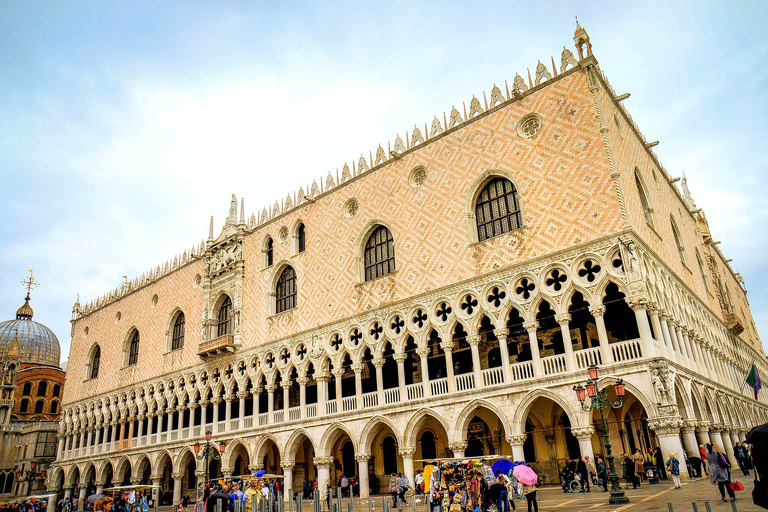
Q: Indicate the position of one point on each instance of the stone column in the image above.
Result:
(378, 364)
(322, 380)
(407, 455)
(302, 382)
(676, 331)
(67, 493)
(155, 479)
(646, 340)
(474, 341)
(531, 327)
(400, 360)
(584, 435)
(337, 373)
(51, 505)
(516, 441)
(200, 474)
(60, 451)
(447, 347)
(570, 360)
(323, 475)
(81, 498)
(241, 395)
(715, 439)
(216, 401)
(177, 485)
(653, 313)
(501, 335)
(424, 373)
(727, 447)
(358, 370)
(671, 349)
(288, 480)
(203, 414)
(703, 431)
(667, 431)
(689, 439)
(271, 403)
(140, 420)
(116, 434)
(362, 471)
(605, 349)
(255, 398)
(458, 447)
(286, 385)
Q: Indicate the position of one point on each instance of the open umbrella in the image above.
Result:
(525, 474)
(93, 497)
(502, 465)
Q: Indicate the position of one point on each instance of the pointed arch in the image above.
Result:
(369, 432)
(331, 434)
(389, 242)
(468, 412)
(416, 420)
(493, 187)
(521, 413)
(297, 437)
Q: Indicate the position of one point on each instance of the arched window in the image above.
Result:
(498, 209)
(676, 234)
(269, 252)
(177, 339)
(27, 389)
(701, 269)
(133, 350)
(39, 406)
(225, 317)
(42, 388)
(286, 290)
(54, 407)
(641, 191)
(379, 254)
(95, 360)
(24, 405)
(301, 238)
(56, 390)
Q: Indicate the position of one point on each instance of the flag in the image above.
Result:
(753, 379)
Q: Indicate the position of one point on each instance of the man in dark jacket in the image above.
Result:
(581, 469)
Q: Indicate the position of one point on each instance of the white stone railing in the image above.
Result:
(414, 391)
(221, 426)
(626, 350)
(439, 386)
(263, 419)
(311, 410)
(553, 364)
(278, 416)
(521, 371)
(294, 413)
(235, 424)
(196, 431)
(248, 422)
(330, 407)
(465, 381)
(348, 404)
(370, 399)
(493, 376)
(392, 395)
(588, 357)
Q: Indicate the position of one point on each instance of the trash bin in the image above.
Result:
(651, 473)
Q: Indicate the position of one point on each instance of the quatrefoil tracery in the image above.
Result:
(468, 304)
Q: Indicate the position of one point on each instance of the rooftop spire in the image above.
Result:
(25, 311)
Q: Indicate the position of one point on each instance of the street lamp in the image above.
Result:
(30, 475)
(208, 452)
(598, 399)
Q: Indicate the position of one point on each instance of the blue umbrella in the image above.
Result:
(502, 465)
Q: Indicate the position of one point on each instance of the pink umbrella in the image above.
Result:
(525, 474)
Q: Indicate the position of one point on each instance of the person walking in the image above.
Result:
(704, 461)
(403, 483)
(719, 472)
(741, 457)
(673, 466)
(658, 461)
(581, 469)
(529, 491)
(639, 461)
(629, 471)
(393, 488)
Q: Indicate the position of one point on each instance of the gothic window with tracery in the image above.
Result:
(680, 247)
(379, 254)
(96, 359)
(498, 209)
(177, 339)
(286, 290)
(225, 317)
(133, 352)
(647, 210)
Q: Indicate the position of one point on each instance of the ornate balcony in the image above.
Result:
(212, 347)
(734, 323)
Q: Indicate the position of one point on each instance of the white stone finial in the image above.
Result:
(210, 231)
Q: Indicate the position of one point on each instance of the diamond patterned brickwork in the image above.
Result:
(630, 153)
(563, 178)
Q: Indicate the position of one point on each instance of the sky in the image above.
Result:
(125, 125)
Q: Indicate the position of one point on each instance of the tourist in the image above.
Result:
(602, 473)
(503, 500)
(639, 465)
(393, 488)
(529, 491)
(629, 471)
(719, 472)
(673, 466)
(403, 483)
(742, 457)
(581, 470)
(704, 460)
(344, 485)
(658, 461)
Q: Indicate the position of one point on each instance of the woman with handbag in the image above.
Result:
(719, 472)
(673, 466)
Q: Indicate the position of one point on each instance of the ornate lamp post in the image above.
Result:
(598, 399)
(207, 451)
(30, 475)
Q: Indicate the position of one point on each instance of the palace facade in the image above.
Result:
(441, 297)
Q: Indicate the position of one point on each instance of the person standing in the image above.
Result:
(704, 461)
(581, 469)
(639, 460)
(741, 457)
(393, 489)
(529, 491)
(658, 461)
(503, 504)
(344, 485)
(629, 471)
(403, 487)
(602, 474)
(673, 466)
(719, 471)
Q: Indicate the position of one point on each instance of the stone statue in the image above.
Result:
(233, 207)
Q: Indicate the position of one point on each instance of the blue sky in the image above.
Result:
(125, 125)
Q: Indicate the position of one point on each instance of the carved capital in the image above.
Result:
(562, 318)
(338, 372)
(422, 352)
(583, 432)
(458, 446)
(135, 481)
(270, 388)
(516, 439)
(177, 476)
(302, 381)
(285, 384)
(357, 368)
(408, 452)
(323, 377)
(363, 457)
(378, 362)
(666, 426)
(530, 326)
(447, 346)
(288, 465)
(400, 358)
(324, 461)
(637, 303)
(652, 308)
(473, 339)
(501, 333)
(216, 400)
(242, 395)
(597, 310)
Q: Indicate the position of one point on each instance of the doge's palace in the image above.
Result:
(440, 296)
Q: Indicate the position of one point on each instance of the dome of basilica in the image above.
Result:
(34, 342)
